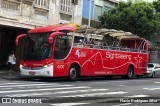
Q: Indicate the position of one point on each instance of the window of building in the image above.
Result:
(65, 6)
(98, 10)
(41, 7)
(42, 3)
(11, 5)
(65, 17)
(106, 8)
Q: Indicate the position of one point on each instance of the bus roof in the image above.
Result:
(119, 34)
(66, 27)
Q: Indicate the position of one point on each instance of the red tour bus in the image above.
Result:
(69, 50)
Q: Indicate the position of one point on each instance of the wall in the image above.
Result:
(28, 15)
(18, 16)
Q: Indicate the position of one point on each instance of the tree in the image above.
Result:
(157, 5)
(140, 18)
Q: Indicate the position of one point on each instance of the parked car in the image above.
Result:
(153, 70)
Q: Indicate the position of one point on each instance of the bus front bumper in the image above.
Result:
(40, 71)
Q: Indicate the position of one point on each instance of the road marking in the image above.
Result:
(135, 96)
(100, 82)
(96, 94)
(68, 104)
(110, 82)
(46, 89)
(157, 82)
(29, 85)
(120, 85)
(7, 88)
(10, 83)
(151, 89)
(123, 104)
(24, 83)
(60, 92)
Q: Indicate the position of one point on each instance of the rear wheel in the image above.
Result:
(73, 73)
(130, 72)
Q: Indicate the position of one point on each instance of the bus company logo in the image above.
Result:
(80, 54)
(118, 56)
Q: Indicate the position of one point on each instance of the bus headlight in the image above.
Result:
(45, 66)
(21, 66)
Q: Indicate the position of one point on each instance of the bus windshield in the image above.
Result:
(37, 47)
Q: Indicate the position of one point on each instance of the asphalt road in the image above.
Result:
(84, 92)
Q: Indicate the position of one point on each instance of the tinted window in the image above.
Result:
(37, 47)
(62, 47)
(150, 65)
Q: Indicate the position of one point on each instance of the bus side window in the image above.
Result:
(60, 45)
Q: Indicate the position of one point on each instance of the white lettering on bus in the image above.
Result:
(103, 72)
(118, 56)
(83, 54)
(60, 66)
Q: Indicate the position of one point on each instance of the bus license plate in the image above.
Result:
(32, 73)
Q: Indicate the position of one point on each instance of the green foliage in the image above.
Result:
(140, 18)
(157, 5)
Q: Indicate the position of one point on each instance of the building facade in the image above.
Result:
(18, 16)
(133, 1)
(92, 9)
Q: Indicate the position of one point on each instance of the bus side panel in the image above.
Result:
(95, 62)
(79, 56)
(141, 62)
(120, 61)
(60, 67)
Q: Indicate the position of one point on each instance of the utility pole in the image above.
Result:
(90, 8)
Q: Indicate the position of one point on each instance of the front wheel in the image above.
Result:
(73, 73)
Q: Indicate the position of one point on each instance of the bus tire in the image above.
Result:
(73, 73)
(130, 72)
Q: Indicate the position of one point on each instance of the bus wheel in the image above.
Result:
(73, 73)
(130, 72)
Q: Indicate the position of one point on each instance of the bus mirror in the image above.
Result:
(51, 36)
(18, 37)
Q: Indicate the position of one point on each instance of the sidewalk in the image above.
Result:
(5, 74)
